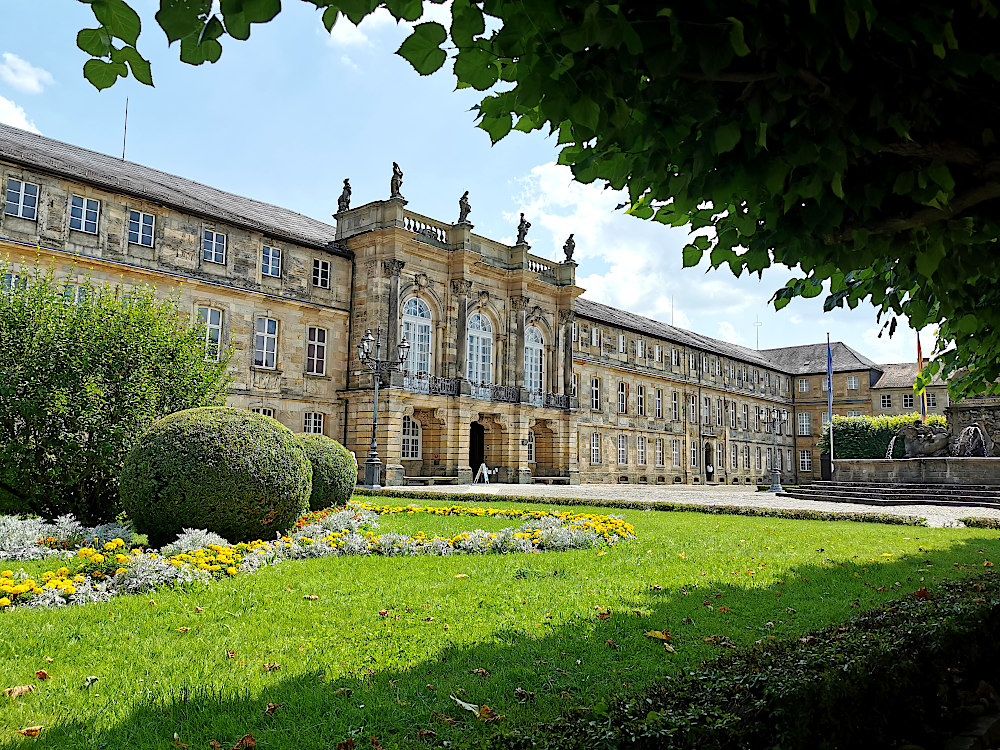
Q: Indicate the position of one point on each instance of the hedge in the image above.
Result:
(334, 473)
(869, 437)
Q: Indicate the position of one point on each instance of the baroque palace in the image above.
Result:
(508, 365)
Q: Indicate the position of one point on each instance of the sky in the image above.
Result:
(286, 116)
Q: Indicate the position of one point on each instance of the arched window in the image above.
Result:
(480, 357)
(531, 447)
(533, 347)
(417, 330)
(411, 439)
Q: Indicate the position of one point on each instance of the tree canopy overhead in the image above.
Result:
(853, 140)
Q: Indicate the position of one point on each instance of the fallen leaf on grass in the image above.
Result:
(426, 734)
(987, 564)
(384, 612)
(602, 553)
(48, 659)
(347, 744)
(604, 615)
(246, 742)
(428, 619)
(311, 597)
(670, 648)
(978, 601)
(230, 654)
(443, 718)
(483, 713)
(343, 691)
(41, 674)
(215, 744)
(272, 666)
(272, 707)
(30, 731)
(610, 643)
(431, 687)
(376, 745)
(565, 695)
(199, 610)
(661, 635)
(183, 630)
(922, 593)
(462, 575)
(523, 695)
(18, 690)
(177, 741)
(90, 681)
(481, 672)
(447, 626)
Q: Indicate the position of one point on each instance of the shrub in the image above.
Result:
(869, 437)
(225, 470)
(81, 377)
(334, 473)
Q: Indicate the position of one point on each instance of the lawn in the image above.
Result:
(388, 641)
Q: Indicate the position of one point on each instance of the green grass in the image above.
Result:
(532, 621)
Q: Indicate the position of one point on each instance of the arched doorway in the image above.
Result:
(477, 446)
(709, 463)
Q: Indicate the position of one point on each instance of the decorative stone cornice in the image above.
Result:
(567, 317)
(392, 268)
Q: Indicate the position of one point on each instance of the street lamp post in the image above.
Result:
(377, 365)
(776, 422)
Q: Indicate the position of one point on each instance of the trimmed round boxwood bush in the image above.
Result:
(334, 473)
(227, 470)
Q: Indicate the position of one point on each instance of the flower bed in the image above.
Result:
(114, 567)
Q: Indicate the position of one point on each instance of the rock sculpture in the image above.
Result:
(344, 201)
(568, 248)
(464, 208)
(396, 183)
(925, 440)
(522, 231)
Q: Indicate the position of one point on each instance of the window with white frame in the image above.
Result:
(767, 420)
(640, 450)
(767, 465)
(595, 448)
(746, 458)
(211, 319)
(640, 348)
(824, 385)
(675, 452)
(659, 451)
(265, 349)
(576, 384)
(321, 273)
(622, 397)
(316, 350)
(886, 400)
(746, 416)
(595, 336)
(263, 411)
(706, 416)
(83, 214)
(675, 406)
(584, 335)
(595, 393)
(692, 366)
(693, 409)
(931, 399)
(674, 357)
(805, 423)
(531, 447)
(758, 462)
(720, 456)
(411, 439)
(694, 455)
(658, 352)
(907, 400)
(621, 343)
(805, 461)
(659, 404)
(704, 363)
(75, 293)
(788, 453)
(22, 199)
(534, 346)
(854, 414)
(573, 335)
(270, 261)
(735, 457)
(417, 331)
(140, 228)
(732, 414)
(313, 422)
(784, 422)
(623, 449)
(756, 418)
(803, 385)
(213, 247)
(479, 359)
(718, 412)
(852, 382)
(777, 457)
(640, 400)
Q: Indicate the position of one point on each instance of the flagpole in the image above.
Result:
(829, 397)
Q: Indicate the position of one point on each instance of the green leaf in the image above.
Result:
(330, 16)
(941, 175)
(736, 39)
(239, 14)
(95, 42)
(851, 21)
(406, 10)
(837, 186)
(422, 48)
(103, 74)
(497, 127)
(585, 112)
(477, 68)
(356, 10)
(181, 19)
(119, 19)
(138, 64)
(726, 137)
(467, 22)
(691, 256)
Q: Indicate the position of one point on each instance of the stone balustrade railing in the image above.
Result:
(432, 385)
(425, 226)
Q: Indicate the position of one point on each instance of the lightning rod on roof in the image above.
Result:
(757, 324)
(125, 132)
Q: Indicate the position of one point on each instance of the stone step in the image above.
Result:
(889, 492)
(904, 485)
(920, 499)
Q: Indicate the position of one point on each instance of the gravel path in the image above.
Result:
(936, 515)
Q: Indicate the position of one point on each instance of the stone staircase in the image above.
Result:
(874, 493)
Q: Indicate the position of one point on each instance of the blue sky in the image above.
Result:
(287, 116)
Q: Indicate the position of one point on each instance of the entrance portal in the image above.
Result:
(477, 446)
(709, 466)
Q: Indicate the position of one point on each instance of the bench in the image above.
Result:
(430, 480)
(550, 480)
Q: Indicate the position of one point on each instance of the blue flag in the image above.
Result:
(829, 381)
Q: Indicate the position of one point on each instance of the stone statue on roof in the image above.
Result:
(344, 201)
(396, 184)
(568, 248)
(464, 208)
(522, 231)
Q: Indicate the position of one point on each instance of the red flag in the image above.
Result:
(920, 369)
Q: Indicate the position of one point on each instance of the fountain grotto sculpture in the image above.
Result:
(933, 441)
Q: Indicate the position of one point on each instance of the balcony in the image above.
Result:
(503, 394)
(432, 385)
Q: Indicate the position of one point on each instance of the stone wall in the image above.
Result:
(982, 411)
(919, 471)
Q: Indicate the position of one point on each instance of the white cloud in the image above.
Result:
(11, 114)
(346, 34)
(348, 62)
(24, 76)
(728, 333)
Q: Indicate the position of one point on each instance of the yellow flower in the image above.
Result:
(232, 571)
(5, 602)
(98, 559)
(6, 573)
(63, 571)
(69, 590)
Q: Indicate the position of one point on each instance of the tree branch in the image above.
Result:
(946, 151)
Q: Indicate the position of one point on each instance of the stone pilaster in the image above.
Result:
(461, 288)
(566, 318)
(391, 269)
(519, 307)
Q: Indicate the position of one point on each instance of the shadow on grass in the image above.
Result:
(561, 669)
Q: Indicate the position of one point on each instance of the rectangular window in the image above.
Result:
(854, 414)
(321, 273)
(411, 448)
(931, 399)
(659, 451)
(263, 410)
(265, 350)
(211, 318)
(720, 456)
(693, 409)
(595, 448)
(213, 247)
(622, 449)
(622, 398)
(640, 450)
(140, 228)
(732, 414)
(735, 459)
(75, 294)
(758, 461)
(767, 465)
(718, 412)
(83, 213)
(805, 461)
(675, 452)
(788, 453)
(803, 385)
(316, 351)
(746, 416)
(707, 410)
(659, 404)
(825, 419)
(640, 400)
(595, 337)
(675, 406)
(907, 400)
(595, 393)
(756, 418)
(704, 363)
(746, 457)
(852, 382)
(805, 423)
(313, 423)
(692, 366)
(270, 261)
(576, 384)
(22, 199)
(621, 343)
(674, 357)
(573, 338)
(886, 400)
(640, 348)
(694, 455)
(658, 351)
